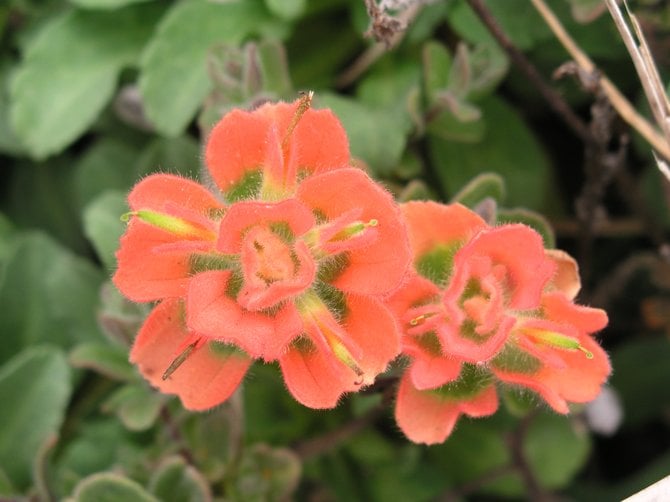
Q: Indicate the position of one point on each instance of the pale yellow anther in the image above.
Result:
(173, 224)
(557, 340)
(310, 305)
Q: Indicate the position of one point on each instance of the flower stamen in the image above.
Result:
(557, 340)
(304, 105)
(173, 224)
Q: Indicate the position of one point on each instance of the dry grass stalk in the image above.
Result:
(646, 69)
(658, 141)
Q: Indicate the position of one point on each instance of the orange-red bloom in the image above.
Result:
(289, 262)
(488, 303)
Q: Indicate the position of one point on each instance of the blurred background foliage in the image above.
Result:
(95, 94)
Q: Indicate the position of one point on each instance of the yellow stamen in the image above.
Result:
(557, 340)
(353, 230)
(419, 319)
(303, 106)
(172, 224)
(311, 305)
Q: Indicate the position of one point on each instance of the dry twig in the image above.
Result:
(618, 100)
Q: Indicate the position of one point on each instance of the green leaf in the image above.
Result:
(47, 295)
(7, 231)
(177, 481)
(174, 79)
(6, 488)
(34, 391)
(9, 142)
(50, 183)
(109, 487)
(108, 360)
(104, 4)
(119, 318)
(98, 445)
(509, 148)
(374, 134)
(103, 225)
(107, 165)
(136, 406)
(394, 470)
(534, 220)
(479, 188)
(555, 449)
(645, 394)
(69, 73)
(476, 448)
(273, 65)
(266, 474)
(521, 24)
(437, 63)
(180, 155)
(286, 9)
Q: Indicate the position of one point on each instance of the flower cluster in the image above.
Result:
(287, 260)
(487, 306)
(296, 257)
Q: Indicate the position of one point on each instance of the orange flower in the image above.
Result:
(293, 267)
(484, 304)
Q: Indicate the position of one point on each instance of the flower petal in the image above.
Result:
(566, 278)
(236, 146)
(415, 290)
(374, 330)
(206, 378)
(320, 142)
(426, 417)
(313, 377)
(380, 267)
(256, 295)
(520, 250)
(242, 215)
(432, 224)
(559, 308)
(239, 142)
(317, 378)
(578, 378)
(431, 372)
(157, 190)
(150, 264)
(214, 314)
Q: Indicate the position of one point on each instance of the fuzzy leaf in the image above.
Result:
(107, 165)
(509, 148)
(479, 188)
(104, 4)
(69, 73)
(109, 487)
(176, 481)
(34, 391)
(267, 474)
(136, 406)
(286, 9)
(555, 449)
(109, 360)
(103, 225)
(374, 134)
(174, 79)
(47, 295)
